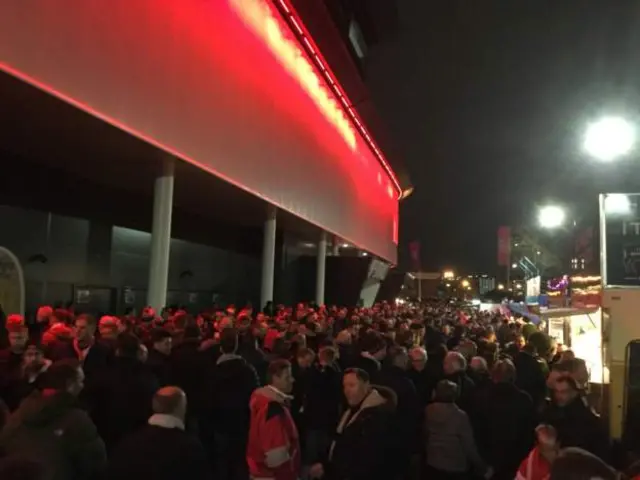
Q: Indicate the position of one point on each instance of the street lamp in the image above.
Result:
(609, 138)
(617, 204)
(551, 216)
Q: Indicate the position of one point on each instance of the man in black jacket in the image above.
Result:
(360, 450)
(322, 405)
(123, 393)
(407, 426)
(504, 422)
(159, 355)
(233, 380)
(162, 450)
(577, 425)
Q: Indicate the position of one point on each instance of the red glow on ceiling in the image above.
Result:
(258, 16)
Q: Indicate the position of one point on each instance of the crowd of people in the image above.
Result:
(435, 390)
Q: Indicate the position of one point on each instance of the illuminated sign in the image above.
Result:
(260, 18)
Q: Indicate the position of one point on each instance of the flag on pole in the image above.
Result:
(414, 252)
(504, 246)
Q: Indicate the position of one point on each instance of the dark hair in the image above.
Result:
(276, 368)
(128, 345)
(304, 351)
(395, 353)
(229, 340)
(159, 334)
(90, 319)
(446, 392)
(504, 371)
(360, 374)
(61, 373)
(372, 342)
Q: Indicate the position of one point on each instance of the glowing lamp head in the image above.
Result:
(609, 138)
(551, 216)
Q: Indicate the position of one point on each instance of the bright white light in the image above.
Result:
(500, 286)
(617, 203)
(345, 245)
(551, 216)
(514, 265)
(400, 301)
(609, 138)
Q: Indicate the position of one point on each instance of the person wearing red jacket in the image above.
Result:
(273, 449)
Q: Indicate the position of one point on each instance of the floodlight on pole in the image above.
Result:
(609, 138)
(551, 216)
(617, 204)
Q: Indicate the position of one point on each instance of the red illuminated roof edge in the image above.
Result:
(298, 28)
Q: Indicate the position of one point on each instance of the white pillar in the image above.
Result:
(321, 265)
(161, 237)
(268, 256)
(335, 247)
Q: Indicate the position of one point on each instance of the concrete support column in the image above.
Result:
(321, 266)
(161, 237)
(335, 247)
(268, 256)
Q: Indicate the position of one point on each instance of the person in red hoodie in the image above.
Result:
(537, 465)
(273, 449)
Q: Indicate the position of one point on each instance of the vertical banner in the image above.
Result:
(414, 252)
(583, 247)
(504, 247)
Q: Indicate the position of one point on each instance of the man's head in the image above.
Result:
(109, 327)
(445, 392)
(479, 365)
(161, 340)
(454, 362)
(33, 355)
(43, 314)
(229, 340)
(305, 357)
(547, 440)
(374, 345)
(18, 337)
(504, 371)
(128, 346)
(65, 376)
(85, 328)
(356, 385)
(279, 375)
(398, 357)
(565, 390)
(327, 356)
(170, 401)
(419, 358)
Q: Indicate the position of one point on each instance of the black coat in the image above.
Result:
(578, 426)
(530, 377)
(161, 454)
(160, 366)
(409, 409)
(466, 391)
(232, 381)
(323, 398)
(123, 399)
(424, 381)
(98, 358)
(190, 370)
(504, 424)
(363, 440)
(369, 365)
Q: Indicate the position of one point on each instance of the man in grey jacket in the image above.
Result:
(451, 449)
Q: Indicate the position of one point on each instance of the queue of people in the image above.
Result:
(421, 391)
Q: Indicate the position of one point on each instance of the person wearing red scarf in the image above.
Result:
(537, 465)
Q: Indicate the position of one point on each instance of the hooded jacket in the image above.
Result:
(273, 450)
(363, 439)
(52, 431)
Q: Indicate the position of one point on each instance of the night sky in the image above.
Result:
(486, 101)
